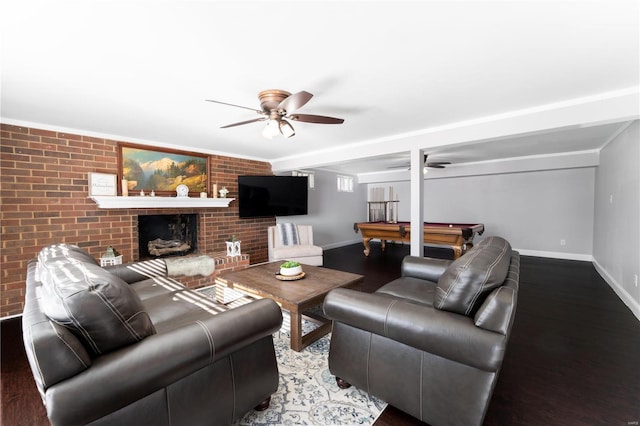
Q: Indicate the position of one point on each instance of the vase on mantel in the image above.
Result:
(233, 246)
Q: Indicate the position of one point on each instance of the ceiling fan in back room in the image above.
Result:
(430, 164)
(278, 106)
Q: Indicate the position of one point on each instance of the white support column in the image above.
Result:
(417, 202)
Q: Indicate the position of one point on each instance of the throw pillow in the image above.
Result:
(288, 234)
(64, 251)
(98, 307)
(465, 284)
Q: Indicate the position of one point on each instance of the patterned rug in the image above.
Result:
(307, 392)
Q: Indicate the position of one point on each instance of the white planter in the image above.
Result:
(233, 248)
(289, 272)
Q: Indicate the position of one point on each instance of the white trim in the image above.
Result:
(556, 255)
(10, 317)
(122, 138)
(628, 300)
(342, 244)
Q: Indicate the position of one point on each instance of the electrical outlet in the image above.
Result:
(563, 242)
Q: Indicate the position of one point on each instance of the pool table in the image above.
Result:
(457, 236)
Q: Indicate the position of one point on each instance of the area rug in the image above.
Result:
(307, 392)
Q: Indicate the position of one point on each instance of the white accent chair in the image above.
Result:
(304, 252)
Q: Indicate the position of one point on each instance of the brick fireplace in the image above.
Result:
(44, 191)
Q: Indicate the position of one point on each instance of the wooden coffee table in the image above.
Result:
(297, 297)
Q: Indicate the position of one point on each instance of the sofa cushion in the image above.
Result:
(411, 289)
(65, 251)
(465, 284)
(61, 251)
(297, 251)
(100, 308)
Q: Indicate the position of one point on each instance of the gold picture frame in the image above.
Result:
(162, 170)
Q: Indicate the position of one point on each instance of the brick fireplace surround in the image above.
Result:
(43, 198)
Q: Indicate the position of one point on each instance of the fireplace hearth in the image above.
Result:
(167, 235)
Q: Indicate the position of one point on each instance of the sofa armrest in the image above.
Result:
(442, 333)
(425, 268)
(138, 271)
(133, 372)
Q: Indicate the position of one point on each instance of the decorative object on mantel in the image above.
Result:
(182, 190)
(223, 192)
(125, 188)
(111, 257)
(190, 265)
(203, 195)
(215, 190)
(153, 193)
(142, 192)
(233, 246)
(102, 184)
(105, 202)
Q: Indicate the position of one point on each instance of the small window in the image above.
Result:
(345, 183)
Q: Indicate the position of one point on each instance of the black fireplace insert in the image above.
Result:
(167, 235)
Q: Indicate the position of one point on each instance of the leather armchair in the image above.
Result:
(432, 342)
(128, 345)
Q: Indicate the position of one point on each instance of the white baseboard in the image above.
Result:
(341, 244)
(628, 300)
(555, 255)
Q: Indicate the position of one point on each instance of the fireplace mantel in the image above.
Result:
(147, 202)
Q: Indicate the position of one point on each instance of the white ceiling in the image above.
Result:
(467, 81)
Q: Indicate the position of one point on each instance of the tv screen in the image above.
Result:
(261, 196)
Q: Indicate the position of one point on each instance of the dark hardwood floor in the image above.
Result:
(573, 357)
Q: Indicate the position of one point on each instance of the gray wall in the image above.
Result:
(332, 213)
(616, 249)
(533, 210)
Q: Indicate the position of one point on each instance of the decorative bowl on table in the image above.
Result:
(290, 268)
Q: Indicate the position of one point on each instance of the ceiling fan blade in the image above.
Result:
(321, 119)
(244, 122)
(434, 164)
(295, 101)
(237, 106)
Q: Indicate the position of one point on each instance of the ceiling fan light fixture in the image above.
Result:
(271, 129)
(286, 129)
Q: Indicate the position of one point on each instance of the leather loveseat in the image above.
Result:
(432, 342)
(127, 345)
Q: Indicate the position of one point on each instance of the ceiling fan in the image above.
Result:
(278, 106)
(431, 164)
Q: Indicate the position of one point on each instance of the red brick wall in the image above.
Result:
(43, 177)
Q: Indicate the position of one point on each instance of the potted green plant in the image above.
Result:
(233, 246)
(290, 268)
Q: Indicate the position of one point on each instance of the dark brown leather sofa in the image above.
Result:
(430, 343)
(127, 345)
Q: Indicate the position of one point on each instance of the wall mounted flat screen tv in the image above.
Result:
(262, 196)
